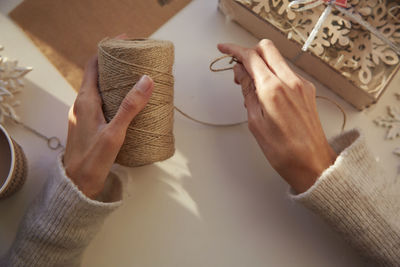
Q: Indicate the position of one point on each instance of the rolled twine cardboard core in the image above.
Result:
(122, 63)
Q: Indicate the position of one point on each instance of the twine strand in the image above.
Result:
(215, 61)
(209, 123)
(160, 73)
(339, 107)
(392, 11)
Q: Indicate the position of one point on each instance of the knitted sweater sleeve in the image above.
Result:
(60, 224)
(359, 201)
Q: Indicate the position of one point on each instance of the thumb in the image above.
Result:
(133, 103)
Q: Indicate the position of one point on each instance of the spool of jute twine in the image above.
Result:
(122, 63)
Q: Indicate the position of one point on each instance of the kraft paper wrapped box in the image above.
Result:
(345, 56)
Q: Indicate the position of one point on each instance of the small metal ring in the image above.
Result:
(54, 143)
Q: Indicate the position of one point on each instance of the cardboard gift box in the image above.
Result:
(344, 56)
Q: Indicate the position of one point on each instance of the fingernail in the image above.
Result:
(144, 84)
(121, 36)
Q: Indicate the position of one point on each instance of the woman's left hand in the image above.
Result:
(282, 114)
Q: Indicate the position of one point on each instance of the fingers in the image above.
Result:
(251, 60)
(271, 55)
(251, 101)
(243, 78)
(133, 103)
(89, 83)
(239, 73)
(88, 101)
(121, 36)
(254, 111)
(90, 78)
(273, 64)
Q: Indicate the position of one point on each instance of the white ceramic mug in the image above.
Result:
(13, 165)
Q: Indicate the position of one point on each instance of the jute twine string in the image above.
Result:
(122, 63)
(233, 59)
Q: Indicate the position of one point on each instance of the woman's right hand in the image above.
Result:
(282, 114)
(93, 144)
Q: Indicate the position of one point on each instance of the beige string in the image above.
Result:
(392, 12)
(339, 107)
(209, 123)
(233, 59)
(122, 63)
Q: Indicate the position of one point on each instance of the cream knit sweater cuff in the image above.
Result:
(58, 226)
(356, 198)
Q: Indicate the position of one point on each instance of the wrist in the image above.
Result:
(85, 181)
(316, 165)
(86, 186)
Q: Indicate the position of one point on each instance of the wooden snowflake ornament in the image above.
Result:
(281, 6)
(11, 74)
(335, 30)
(391, 121)
(11, 82)
(342, 41)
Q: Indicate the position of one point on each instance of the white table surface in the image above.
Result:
(217, 202)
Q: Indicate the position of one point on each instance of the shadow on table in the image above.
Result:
(217, 202)
(48, 115)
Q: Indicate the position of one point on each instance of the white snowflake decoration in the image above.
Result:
(348, 47)
(391, 121)
(280, 5)
(11, 82)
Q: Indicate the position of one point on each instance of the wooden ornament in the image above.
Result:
(391, 121)
(345, 45)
